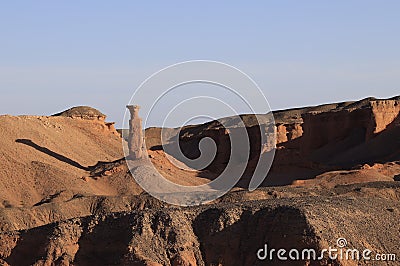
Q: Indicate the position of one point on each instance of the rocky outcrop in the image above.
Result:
(135, 137)
(83, 112)
(288, 132)
(89, 113)
(368, 120)
(334, 137)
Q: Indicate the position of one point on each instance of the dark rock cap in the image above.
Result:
(84, 112)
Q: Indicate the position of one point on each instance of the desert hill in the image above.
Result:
(62, 166)
(67, 196)
(43, 156)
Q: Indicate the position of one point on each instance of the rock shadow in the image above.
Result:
(53, 154)
(106, 243)
(237, 243)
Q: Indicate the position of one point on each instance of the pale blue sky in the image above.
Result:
(58, 54)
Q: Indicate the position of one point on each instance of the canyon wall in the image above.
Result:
(373, 117)
(308, 141)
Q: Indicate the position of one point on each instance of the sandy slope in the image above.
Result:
(42, 156)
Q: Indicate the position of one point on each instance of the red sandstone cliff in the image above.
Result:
(309, 141)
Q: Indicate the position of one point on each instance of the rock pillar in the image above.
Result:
(135, 138)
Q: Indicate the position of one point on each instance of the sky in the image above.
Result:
(59, 54)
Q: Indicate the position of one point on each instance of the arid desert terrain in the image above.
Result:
(67, 196)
